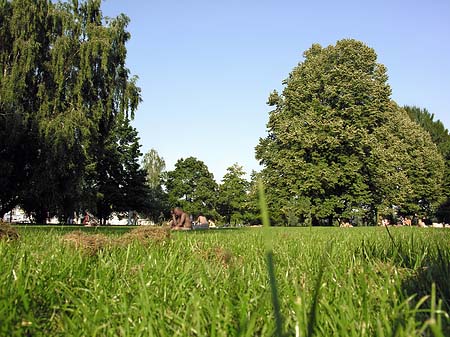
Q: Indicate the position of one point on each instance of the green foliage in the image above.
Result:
(339, 148)
(439, 134)
(252, 206)
(407, 167)
(66, 99)
(191, 186)
(441, 137)
(233, 196)
(154, 166)
(120, 182)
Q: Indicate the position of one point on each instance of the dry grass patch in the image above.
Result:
(8, 233)
(145, 235)
(93, 243)
(216, 254)
(88, 243)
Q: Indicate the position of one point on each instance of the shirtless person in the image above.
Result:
(181, 219)
(202, 222)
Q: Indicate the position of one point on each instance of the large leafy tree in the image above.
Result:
(329, 153)
(64, 92)
(191, 186)
(233, 195)
(23, 39)
(441, 138)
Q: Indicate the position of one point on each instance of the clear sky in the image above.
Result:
(206, 67)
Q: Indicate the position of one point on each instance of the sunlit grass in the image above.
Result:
(329, 282)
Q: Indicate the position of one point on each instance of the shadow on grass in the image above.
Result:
(427, 285)
(431, 281)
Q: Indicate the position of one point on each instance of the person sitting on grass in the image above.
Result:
(202, 222)
(86, 219)
(172, 222)
(211, 224)
(181, 220)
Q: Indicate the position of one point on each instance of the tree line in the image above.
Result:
(337, 145)
(192, 186)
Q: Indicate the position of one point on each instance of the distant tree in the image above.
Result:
(154, 166)
(233, 195)
(191, 186)
(441, 137)
(334, 149)
(252, 213)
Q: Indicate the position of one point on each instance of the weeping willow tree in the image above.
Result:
(66, 101)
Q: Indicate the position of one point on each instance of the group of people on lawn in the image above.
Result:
(414, 221)
(183, 221)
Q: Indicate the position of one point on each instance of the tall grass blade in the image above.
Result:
(312, 317)
(269, 260)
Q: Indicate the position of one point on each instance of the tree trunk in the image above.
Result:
(41, 217)
(330, 220)
(315, 221)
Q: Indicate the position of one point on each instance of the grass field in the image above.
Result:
(331, 282)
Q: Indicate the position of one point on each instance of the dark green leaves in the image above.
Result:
(339, 148)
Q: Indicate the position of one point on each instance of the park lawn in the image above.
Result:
(331, 282)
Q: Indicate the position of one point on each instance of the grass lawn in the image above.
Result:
(331, 282)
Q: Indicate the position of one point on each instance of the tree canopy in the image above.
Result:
(154, 166)
(441, 137)
(66, 100)
(233, 195)
(338, 147)
(191, 186)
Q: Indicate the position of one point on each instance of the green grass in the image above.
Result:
(329, 282)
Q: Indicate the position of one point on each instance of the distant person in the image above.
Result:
(422, 223)
(181, 219)
(407, 221)
(172, 222)
(130, 218)
(202, 222)
(415, 220)
(86, 219)
(161, 218)
(211, 224)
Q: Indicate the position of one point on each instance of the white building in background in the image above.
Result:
(17, 215)
(115, 220)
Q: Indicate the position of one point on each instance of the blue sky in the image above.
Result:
(206, 68)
